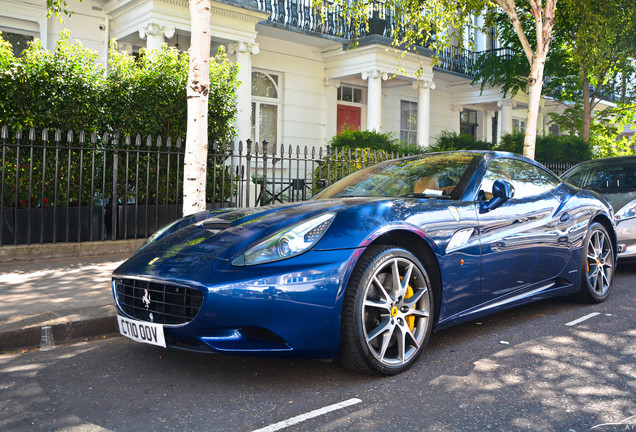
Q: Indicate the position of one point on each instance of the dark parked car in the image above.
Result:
(370, 266)
(615, 179)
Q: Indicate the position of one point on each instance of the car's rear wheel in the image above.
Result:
(387, 312)
(598, 265)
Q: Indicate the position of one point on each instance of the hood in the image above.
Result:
(224, 234)
(220, 236)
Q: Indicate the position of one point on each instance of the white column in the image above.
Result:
(458, 109)
(374, 98)
(506, 116)
(155, 35)
(541, 119)
(244, 51)
(125, 47)
(331, 107)
(424, 88)
(488, 115)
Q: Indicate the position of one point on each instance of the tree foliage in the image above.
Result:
(590, 59)
(597, 40)
(68, 89)
(439, 24)
(436, 24)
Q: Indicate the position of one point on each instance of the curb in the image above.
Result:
(63, 333)
(44, 251)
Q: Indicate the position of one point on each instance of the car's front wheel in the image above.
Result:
(598, 265)
(387, 312)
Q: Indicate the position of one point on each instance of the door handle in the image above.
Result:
(565, 217)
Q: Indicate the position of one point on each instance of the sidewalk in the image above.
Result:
(72, 295)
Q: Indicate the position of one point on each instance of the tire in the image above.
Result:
(386, 321)
(598, 265)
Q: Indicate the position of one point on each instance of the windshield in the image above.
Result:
(429, 176)
(611, 177)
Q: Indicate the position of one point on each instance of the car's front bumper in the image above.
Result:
(290, 308)
(626, 236)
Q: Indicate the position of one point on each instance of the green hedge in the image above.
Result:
(449, 141)
(69, 89)
(549, 148)
(357, 139)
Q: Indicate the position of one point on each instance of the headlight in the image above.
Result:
(628, 211)
(287, 243)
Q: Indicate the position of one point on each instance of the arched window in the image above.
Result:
(265, 108)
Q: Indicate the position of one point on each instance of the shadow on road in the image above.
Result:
(518, 370)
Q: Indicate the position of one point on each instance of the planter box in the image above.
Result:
(140, 221)
(49, 225)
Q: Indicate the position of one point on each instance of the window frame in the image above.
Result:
(341, 90)
(520, 193)
(472, 125)
(256, 103)
(410, 133)
(13, 31)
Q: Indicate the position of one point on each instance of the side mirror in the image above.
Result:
(502, 191)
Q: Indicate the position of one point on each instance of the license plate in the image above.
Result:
(139, 331)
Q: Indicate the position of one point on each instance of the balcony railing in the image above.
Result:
(303, 15)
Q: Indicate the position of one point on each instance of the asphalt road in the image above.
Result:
(525, 369)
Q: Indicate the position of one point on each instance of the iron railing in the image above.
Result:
(60, 188)
(558, 167)
(65, 188)
(303, 15)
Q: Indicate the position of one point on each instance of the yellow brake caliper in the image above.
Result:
(410, 319)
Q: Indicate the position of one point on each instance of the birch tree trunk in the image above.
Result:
(544, 22)
(587, 109)
(196, 150)
(535, 87)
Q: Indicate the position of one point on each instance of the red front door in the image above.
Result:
(349, 117)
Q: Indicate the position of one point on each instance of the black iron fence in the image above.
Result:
(61, 188)
(77, 187)
(558, 167)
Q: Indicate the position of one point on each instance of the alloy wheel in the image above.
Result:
(395, 311)
(600, 262)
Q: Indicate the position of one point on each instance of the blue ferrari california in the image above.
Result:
(366, 269)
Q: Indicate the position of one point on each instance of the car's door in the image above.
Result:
(521, 240)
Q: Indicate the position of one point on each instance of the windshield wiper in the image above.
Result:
(424, 195)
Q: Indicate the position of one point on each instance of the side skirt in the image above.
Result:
(541, 291)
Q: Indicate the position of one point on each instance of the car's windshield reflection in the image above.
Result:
(429, 176)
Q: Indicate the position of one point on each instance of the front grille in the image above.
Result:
(157, 302)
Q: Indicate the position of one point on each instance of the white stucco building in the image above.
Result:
(300, 83)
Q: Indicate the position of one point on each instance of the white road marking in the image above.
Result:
(629, 421)
(580, 320)
(301, 418)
